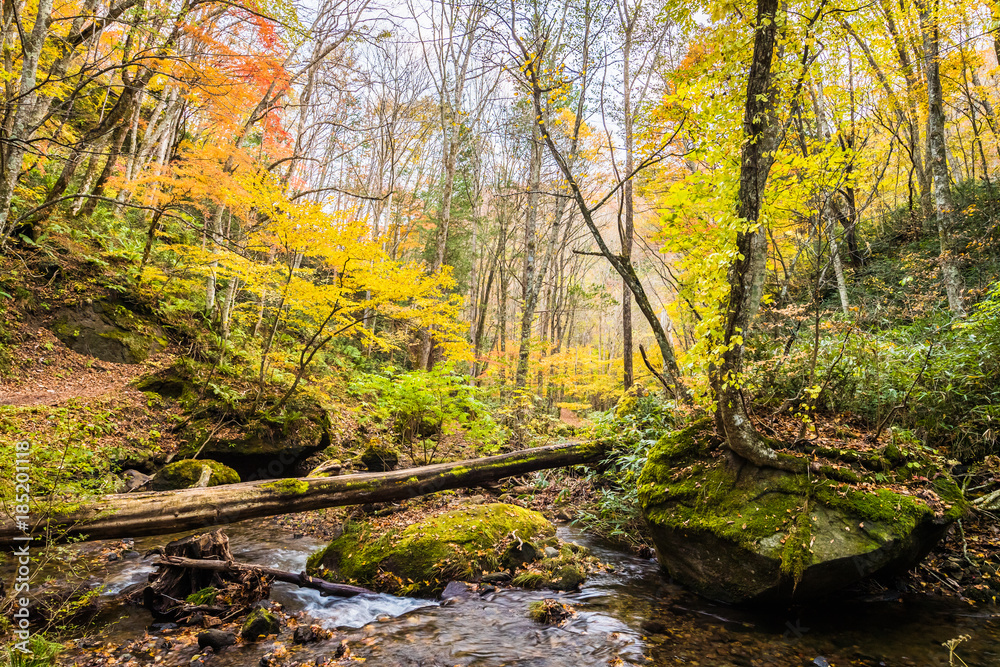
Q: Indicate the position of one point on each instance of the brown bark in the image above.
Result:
(162, 512)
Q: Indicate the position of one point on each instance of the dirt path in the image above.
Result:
(567, 416)
(46, 372)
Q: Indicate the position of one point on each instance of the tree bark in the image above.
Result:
(943, 205)
(12, 156)
(746, 274)
(163, 512)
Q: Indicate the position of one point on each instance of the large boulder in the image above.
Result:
(110, 330)
(261, 444)
(749, 535)
(190, 473)
(422, 558)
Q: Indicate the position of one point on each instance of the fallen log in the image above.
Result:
(301, 579)
(164, 512)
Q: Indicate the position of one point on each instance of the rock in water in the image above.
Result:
(260, 623)
(751, 535)
(217, 639)
(420, 559)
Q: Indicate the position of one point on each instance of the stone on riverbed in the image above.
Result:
(423, 557)
(750, 535)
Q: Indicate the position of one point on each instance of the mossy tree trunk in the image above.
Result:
(159, 513)
(746, 274)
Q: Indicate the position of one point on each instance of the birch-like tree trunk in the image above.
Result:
(943, 205)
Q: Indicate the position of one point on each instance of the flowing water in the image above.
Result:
(630, 615)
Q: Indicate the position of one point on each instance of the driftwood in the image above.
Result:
(164, 512)
(301, 579)
(168, 589)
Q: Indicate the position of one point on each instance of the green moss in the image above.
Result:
(289, 487)
(530, 579)
(185, 474)
(775, 513)
(423, 557)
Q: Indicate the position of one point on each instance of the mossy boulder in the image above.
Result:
(110, 330)
(750, 535)
(379, 457)
(421, 559)
(261, 444)
(260, 623)
(189, 473)
(563, 569)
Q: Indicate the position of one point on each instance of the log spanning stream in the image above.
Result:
(631, 614)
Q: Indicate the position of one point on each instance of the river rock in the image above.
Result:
(751, 535)
(260, 623)
(192, 473)
(216, 639)
(460, 545)
(457, 590)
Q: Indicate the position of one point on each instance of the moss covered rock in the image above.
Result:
(564, 570)
(110, 330)
(760, 535)
(261, 443)
(188, 473)
(379, 457)
(422, 558)
(260, 623)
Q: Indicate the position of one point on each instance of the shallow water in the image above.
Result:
(631, 614)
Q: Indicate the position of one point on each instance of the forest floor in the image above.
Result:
(45, 372)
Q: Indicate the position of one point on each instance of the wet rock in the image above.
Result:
(308, 634)
(764, 535)
(457, 590)
(419, 559)
(550, 612)
(260, 623)
(112, 557)
(216, 639)
(131, 555)
(161, 627)
(519, 554)
(496, 578)
(189, 474)
(567, 578)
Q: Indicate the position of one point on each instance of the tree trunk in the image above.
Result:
(163, 512)
(943, 205)
(746, 274)
(628, 231)
(12, 155)
(528, 293)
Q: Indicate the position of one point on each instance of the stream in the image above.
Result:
(630, 615)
